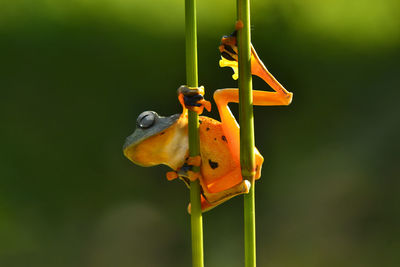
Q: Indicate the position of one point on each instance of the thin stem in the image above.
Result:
(194, 143)
(250, 228)
(246, 129)
(197, 226)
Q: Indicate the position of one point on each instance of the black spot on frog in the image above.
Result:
(213, 164)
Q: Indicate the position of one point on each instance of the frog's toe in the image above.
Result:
(246, 186)
(183, 171)
(171, 175)
(187, 175)
(194, 161)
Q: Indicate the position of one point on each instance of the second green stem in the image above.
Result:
(194, 143)
(246, 129)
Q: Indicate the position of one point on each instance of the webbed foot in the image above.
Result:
(229, 54)
(192, 98)
(228, 47)
(190, 170)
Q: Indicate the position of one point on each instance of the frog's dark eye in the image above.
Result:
(146, 119)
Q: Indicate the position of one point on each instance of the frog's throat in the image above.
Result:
(177, 149)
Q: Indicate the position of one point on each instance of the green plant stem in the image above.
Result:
(246, 120)
(194, 143)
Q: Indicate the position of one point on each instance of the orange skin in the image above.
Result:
(220, 173)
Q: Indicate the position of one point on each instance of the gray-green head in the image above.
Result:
(148, 124)
(152, 140)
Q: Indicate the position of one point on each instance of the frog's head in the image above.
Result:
(157, 140)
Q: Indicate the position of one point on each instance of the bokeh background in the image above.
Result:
(75, 75)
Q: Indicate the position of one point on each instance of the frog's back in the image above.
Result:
(215, 152)
(217, 160)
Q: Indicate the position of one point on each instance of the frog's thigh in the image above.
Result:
(224, 182)
(219, 197)
(227, 186)
(211, 200)
(229, 124)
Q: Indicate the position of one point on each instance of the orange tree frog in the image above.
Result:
(164, 140)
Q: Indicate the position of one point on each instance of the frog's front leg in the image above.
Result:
(193, 173)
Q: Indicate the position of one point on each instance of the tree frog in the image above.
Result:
(164, 140)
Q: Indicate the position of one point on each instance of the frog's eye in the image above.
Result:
(146, 119)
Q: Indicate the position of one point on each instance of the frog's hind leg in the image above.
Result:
(242, 187)
(211, 200)
(229, 124)
(258, 68)
(222, 190)
(260, 98)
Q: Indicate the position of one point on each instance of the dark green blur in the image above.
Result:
(74, 75)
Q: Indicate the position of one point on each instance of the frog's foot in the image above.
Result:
(190, 170)
(194, 172)
(192, 98)
(229, 54)
(228, 47)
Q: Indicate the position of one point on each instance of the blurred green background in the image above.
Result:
(75, 75)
